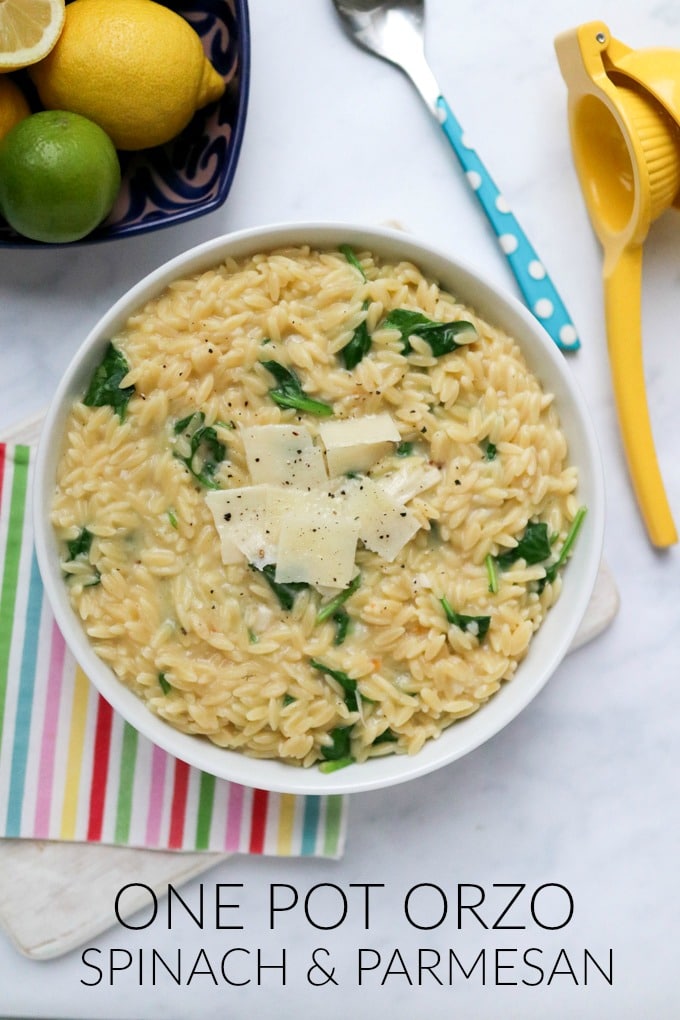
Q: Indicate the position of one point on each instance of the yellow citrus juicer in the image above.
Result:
(624, 123)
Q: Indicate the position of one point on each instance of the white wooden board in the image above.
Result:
(57, 896)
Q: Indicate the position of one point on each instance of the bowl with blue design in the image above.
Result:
(192, 174)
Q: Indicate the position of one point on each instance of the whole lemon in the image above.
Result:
(59, 176)
(134, 67)
(13, 105)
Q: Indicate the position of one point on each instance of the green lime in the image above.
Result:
(59, 176)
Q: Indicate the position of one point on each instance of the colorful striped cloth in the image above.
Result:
(72, 769)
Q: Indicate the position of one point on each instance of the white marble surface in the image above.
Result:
(582, 789)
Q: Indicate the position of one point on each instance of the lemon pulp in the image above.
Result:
(28, 31)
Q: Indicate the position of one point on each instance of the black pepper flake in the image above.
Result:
(227, 517)
(457, 481)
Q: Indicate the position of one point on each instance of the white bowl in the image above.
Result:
(548, 646)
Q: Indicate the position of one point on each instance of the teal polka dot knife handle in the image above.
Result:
(538, 289)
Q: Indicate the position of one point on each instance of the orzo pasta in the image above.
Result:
(283, 667)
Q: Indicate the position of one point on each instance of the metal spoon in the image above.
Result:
(393, 30)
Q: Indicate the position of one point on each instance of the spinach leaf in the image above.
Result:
(490, 451)
(348, 684)
(105, 388)
(491, 573)
(206, 452)
(476, 625)
(335, 603)
(359, 345)
(533, 547)
(289, 392)
(80, 545)
(333, 766)
(552, 570)
(288, 699)
(340, 748)
(386, 737)
(334, 611)
(165, 685)
(404, 449)
(285, 591)
(441, 336)
(350, 255)
(342, 621)
(79, 548)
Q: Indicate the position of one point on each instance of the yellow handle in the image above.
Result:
(623, 295)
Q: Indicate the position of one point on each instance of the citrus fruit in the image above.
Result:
(13, 105)
(59, 176)
(28, 31)
(134, 67)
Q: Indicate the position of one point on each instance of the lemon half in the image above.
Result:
(28, 31)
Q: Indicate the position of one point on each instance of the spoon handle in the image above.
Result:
(536, 286)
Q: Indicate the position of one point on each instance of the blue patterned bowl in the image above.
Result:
(192, 174)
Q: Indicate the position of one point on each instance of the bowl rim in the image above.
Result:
(504, 705)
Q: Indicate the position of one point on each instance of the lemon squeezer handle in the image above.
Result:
(538, 290)
(622, 298)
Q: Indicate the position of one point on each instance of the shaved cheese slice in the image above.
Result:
(356, 444)
(416, 475)
(280, 501)
(293, 517)
(229, 551)
(344, 459)
(385, 526)
(318, 545)
(284, 455)
(243, 523)
(370, 428)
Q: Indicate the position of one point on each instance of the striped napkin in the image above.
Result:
(72, 769)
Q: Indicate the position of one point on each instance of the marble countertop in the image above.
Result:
(573, 805)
